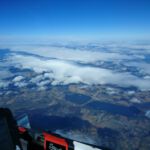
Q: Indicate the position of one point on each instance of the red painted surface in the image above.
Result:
(21, 129)
(54, 139)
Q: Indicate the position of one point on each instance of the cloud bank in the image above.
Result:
(64, 72)
(86, 56)
(109, 63)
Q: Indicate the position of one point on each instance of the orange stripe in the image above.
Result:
(54, 139)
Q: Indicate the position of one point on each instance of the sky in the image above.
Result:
(76, 19)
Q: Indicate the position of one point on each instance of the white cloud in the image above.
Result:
(18, 79)
(111, 91)
(64, 72)
(135, 100)
(131, 92)
(36, 79)
(5, 73)
(147, 114)
(41, 88)
(40, 80)
(42, 83)
(71, 54)
(143, 66)
(3, 84)
(73, 79)
(21, 84)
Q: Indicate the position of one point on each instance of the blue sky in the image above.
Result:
(75, 18)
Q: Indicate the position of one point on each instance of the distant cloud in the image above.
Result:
(20, 84)
(4, 73)
(63, 53)
(67, 64)
(3, 84)
(37, 79)
(18, 81)
(147, 114)
(42, 83)
(64, 72)
(41, 88)
(18, 78)
(135, 100)
(142, 66)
